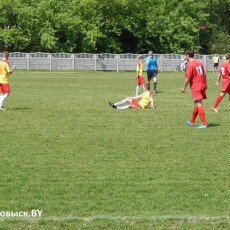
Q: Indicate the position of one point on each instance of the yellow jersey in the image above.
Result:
(215, 59)
(4, 72)
(140, 69)
(146, 99)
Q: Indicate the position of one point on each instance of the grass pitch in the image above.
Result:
(87, 166)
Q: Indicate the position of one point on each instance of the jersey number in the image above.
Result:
(222, 69)
(199, 70)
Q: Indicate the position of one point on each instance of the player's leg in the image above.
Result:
(114, 105)
(137, 89)
(140, 81)
(124, 107)
(201, 114)
(218, 100)
(2, 100)
(5, 88)
(198, 109)
(128, 100)
(198, 97)
(194, 115)
(132, 104)
(1, 91)
(214, 68)
(149, 75)
(155, 84)
(154, 77)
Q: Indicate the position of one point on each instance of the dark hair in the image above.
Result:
(147, 86)
(227, 56)
(190, 53)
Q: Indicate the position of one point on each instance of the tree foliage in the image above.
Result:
(166, 26)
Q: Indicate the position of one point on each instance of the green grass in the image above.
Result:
(87, 166)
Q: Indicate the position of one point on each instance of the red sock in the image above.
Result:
(194, 115)
(218, 100)
(202, 115)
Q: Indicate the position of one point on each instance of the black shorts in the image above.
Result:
(215, 64)
(151, 74)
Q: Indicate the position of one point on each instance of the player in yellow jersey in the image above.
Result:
(140, 78)
(146, 99)
(5, 72)
(215, 61)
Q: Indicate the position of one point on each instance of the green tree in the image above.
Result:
(118, 26)
(215, 39)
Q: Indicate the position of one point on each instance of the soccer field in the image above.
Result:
(87, 166)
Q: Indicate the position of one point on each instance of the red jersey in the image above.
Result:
(228, 69)
(196, 74)
(225, 70)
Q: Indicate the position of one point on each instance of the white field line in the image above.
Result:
(125, 218)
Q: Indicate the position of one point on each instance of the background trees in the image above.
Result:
(167, 26)
(218, 32)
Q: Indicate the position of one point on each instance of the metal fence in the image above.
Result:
(104, 61)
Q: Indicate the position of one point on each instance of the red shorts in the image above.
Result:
(140, 80)
(135, 104)
(5, 88)
(199, 95)
(225, 86)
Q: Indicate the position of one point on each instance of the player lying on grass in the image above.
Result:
(225, 74)
(146, 99)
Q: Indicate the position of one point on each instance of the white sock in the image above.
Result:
(124, 107)
(3, 98)
(137, 89)
(120, 102)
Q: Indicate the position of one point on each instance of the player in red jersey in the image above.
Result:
(195, 76)
(5, 72)
(225, 74)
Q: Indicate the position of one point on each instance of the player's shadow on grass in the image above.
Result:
(211, 125)
(160, 91)
(20, 108)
